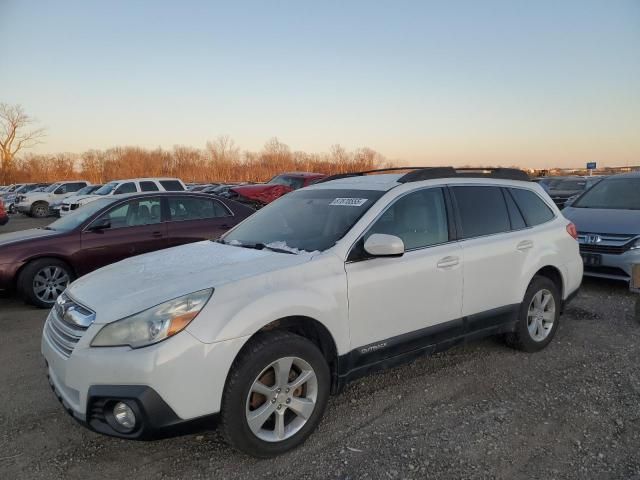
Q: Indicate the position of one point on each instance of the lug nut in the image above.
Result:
(279, 390)
(287, 390)
(288, 400)
(279, 407)
(273, 400)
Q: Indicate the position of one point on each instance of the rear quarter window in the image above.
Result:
(534, 210)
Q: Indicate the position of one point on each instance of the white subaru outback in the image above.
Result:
(324, 285)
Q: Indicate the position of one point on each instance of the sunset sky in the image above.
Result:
(532, 83)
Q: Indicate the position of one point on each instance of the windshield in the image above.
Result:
(73, 220)
(106, 189)
(613, 193)
(307, 220)
(51, 187)
(86, 190)
(288, 181)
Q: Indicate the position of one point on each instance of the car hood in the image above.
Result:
(20, 236)
(595, 220)
(563, 193)
(138, 283)
(77, 198)
(264, 192)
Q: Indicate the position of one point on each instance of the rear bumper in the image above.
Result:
(4, 219)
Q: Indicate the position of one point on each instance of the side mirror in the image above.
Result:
(382, 245)
(100, 224)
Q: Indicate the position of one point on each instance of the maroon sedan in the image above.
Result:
(41, 262)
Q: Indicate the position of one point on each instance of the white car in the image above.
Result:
(323, 286)
(118, 187)
(37, 204)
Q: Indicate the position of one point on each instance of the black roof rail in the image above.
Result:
(338, 176)
(418, 174)
(449, 172)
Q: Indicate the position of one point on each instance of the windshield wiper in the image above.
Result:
(257, 246)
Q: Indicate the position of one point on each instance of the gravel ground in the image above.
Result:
(478, 411)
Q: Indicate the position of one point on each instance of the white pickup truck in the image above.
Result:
(36, 204)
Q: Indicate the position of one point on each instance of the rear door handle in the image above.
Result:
(156, 234)
(525, 245)
(448, 262)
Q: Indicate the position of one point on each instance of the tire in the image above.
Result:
(536, 327)
(255, 365)
(40, 210)
(37, 273)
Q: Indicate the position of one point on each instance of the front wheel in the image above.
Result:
(276, 394)
(538, 318)
(43, 280)
(40, 210)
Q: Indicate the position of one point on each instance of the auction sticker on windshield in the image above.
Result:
(349, 202)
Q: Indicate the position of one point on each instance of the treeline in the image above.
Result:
(220, 161)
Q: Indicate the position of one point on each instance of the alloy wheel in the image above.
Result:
(541, 315)
(49, 282)
(281, 399)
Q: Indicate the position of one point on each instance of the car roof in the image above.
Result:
(633, 174)
(302, 174)
(387, 181)
(139, 179)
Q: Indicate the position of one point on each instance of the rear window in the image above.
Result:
(482, 210)
(172, 185)
(570, 184)
(533, 208)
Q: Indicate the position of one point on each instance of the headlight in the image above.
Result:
(155, 324)
(635, 245)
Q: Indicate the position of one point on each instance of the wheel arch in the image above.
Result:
(16, 278)
(554, 274)
(309, 328)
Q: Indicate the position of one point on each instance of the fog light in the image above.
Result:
(124, 415)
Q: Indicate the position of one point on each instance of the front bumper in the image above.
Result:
(615, 267)
(175, 381)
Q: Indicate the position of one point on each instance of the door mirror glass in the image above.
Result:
(383, 245)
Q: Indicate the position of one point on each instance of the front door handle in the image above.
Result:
(448, 262)
(525, 245)
(156, 234)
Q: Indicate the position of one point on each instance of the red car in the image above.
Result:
(41, 262)
(4, 218)
(263, 193)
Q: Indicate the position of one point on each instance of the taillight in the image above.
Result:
(571, 230)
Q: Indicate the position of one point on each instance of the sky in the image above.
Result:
(531, 83)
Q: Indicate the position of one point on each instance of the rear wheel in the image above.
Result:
(275, 395)
(539, 316)
(43, 280)
(40, 210)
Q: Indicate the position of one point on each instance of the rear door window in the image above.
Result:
(482, 210)
(148, 186)
(172, 185)
(533, 208)
(192, 208)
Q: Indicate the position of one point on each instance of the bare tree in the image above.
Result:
(15, 135)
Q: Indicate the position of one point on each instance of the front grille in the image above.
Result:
(607, 243)
(65, 208)
(608, 249)
(74, 206)
(67, 323)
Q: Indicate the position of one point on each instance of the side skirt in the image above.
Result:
(407, 347)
